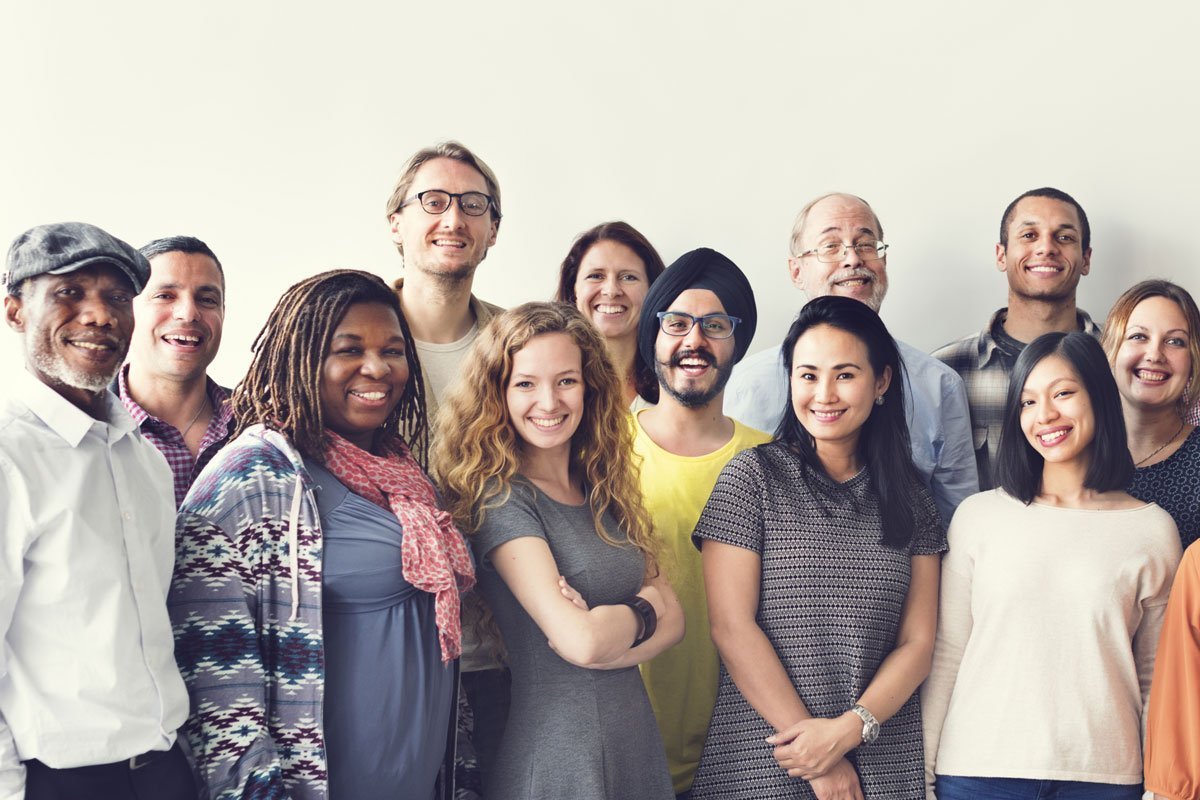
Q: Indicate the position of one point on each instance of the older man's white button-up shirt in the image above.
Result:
(87, 521)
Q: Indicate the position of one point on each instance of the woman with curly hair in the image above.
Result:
(606, 275)
(316, 590)
(533, 453)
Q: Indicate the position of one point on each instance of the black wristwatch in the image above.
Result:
(641, 606)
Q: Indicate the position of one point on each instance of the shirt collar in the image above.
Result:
(222, 408)
(989, 349)
(67, 420)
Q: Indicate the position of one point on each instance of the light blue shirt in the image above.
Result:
(939, 420)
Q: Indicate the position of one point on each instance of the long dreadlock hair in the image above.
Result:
(282, 388)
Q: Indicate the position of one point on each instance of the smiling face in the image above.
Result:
(1044, 259)
(76, 329)
(1154, 362)
(364, 373)
(545, 392)
(848, 221)
(1056, 412)
(693, 369)
(610, 288)
(834, 387)
(179, 317)
(446, 246)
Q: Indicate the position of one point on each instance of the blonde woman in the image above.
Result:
(534, 457)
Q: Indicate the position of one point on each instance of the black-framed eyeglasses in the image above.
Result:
(436, 201)
(832, 252)
(713, 326)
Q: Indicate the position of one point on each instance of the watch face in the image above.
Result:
(870, 732)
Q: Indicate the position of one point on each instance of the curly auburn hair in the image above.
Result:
(477, 452)
(282, 388)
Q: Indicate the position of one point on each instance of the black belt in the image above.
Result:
(137, 762)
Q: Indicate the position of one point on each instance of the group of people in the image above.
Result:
(586, 548)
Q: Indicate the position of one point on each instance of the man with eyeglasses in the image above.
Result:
(1045, 248)
(697, 321)
(444, 214)
(837, 248)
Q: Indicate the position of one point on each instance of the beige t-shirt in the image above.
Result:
(442, 363)
(1047, 628)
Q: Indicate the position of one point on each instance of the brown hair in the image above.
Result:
(1122, 310)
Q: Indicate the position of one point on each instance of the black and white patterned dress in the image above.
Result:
(1174, 484)
(830, 602)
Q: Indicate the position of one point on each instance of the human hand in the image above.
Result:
(839, 783)
(569, 592)
(812, 747)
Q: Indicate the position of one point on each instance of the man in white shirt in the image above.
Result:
(90, 696)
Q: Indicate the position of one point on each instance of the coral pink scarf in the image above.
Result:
(433, 554)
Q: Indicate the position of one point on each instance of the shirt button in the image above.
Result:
(127, 516)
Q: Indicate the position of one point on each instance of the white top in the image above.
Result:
(442, 363)
(87, 535)
(935, 404)
(1047, 629)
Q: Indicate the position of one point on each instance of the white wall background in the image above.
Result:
(274, 131)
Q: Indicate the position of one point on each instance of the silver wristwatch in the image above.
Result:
(870, 724)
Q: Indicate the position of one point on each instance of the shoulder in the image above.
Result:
(259, 463)
(484, 310)
(744, 436)
(960, 353)
(920, 364)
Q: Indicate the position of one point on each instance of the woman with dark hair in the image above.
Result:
(534, 454)
(316, 590)
(820, 554)
(606, 275)
(1053, 594)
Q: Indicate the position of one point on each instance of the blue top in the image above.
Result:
(387, 693)
(939, 419)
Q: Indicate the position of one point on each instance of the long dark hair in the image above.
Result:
(883, 443)
(645, 381)
(282, 388)
(1018, 466)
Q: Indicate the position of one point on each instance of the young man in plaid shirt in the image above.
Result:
(165, 385)
(1045, 248)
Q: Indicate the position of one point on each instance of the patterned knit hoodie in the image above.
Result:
(245, 604)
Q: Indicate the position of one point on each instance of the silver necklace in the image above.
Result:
(1163, 446)
(203, 406)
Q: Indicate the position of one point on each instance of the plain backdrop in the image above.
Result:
(275, 131)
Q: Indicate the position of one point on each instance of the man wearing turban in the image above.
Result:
(697, 322)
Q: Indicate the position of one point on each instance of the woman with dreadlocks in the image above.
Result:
(316, 591)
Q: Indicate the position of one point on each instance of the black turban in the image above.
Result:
(700, 269)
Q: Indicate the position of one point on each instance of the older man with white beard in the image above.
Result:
(90, 697)
(837, 248)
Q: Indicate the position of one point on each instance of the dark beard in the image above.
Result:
(694, 398)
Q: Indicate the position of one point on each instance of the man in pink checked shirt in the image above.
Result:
(165, 385)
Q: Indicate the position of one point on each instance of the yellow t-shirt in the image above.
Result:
(682, 682)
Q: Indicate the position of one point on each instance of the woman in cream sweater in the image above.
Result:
(1053, 594)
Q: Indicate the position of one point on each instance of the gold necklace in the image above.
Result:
(1163, 446)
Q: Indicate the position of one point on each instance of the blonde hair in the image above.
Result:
(477, 453)
(1122, 310)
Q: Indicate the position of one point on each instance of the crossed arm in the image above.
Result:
(596, 638)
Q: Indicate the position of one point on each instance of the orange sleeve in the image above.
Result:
(1173, 723)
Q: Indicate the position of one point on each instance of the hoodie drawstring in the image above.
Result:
(294, 548)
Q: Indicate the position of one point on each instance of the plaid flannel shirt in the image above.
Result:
(984, 367)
